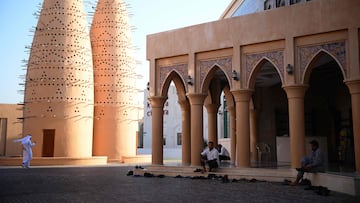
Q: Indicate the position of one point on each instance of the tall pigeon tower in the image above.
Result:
(59, 92)
(115, 116)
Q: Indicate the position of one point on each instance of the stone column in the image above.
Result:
(197, 139)
(212, 110)
(157, 106)
(242, 98)
(253, 135)
(295, 95)
(185, 136)
(231, 111)
(354, 88)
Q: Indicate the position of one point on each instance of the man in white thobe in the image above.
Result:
(27, 150)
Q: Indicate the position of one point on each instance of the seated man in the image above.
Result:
(210, 156)
(313, 164)
(223, 153)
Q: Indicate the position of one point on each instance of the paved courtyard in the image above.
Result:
(111, 184)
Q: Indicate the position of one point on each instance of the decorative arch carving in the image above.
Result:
(181, 69)
(205, 85)
(306, 75)
(257, 68)
(274, 57)
(335, 49)
(179, 84)
(225, 64)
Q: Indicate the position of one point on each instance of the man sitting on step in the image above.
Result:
(210, 156)
(223, 153)
(313, 164)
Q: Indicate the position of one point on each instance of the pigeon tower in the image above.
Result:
(115, 115)
(59, 92)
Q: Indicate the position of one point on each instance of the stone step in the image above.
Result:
(348, 184)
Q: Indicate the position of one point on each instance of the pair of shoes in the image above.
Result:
(253, 180)
(212, 170)
(225, 179)
(286, 182)
(320, 190)
(148, 175)
(130, 173)
(197, 170)
(139, 167)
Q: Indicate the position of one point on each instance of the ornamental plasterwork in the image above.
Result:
(224, 63)
(182, 69)
(336, 49)
(275, 57)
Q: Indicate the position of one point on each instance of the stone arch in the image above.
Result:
(252, 76)
(327, 106)
(179, 84)
(210, 75)
(229, 97)
(311, 65)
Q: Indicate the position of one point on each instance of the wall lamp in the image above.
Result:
(235, 75)
(289, 69)
(190, 80)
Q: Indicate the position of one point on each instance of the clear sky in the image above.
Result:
(148, 16)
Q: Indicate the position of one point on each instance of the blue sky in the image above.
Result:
(148, 16)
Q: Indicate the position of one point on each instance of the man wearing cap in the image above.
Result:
(313, 164)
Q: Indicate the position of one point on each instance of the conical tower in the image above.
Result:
(59, 93)
(115, 116)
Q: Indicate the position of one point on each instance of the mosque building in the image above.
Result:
(288, 70)
(284, 72)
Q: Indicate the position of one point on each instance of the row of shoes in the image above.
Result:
(320, 190)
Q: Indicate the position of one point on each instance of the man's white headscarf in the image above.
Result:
(24, 140)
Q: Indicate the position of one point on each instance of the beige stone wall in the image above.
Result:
(290, 30)
(12, 130)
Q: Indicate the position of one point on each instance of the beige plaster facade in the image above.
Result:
(59, 92)
(115, 116)
(299, 44)
(10, 129)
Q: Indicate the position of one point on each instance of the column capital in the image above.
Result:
(196, 99)
(157, 101)
(212, 108)
(354, 86)
(295, 91)
(242, 95)
(184, 104)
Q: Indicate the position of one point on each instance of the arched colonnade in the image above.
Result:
(238, 72)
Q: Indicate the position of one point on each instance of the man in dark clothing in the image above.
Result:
(313, 164)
